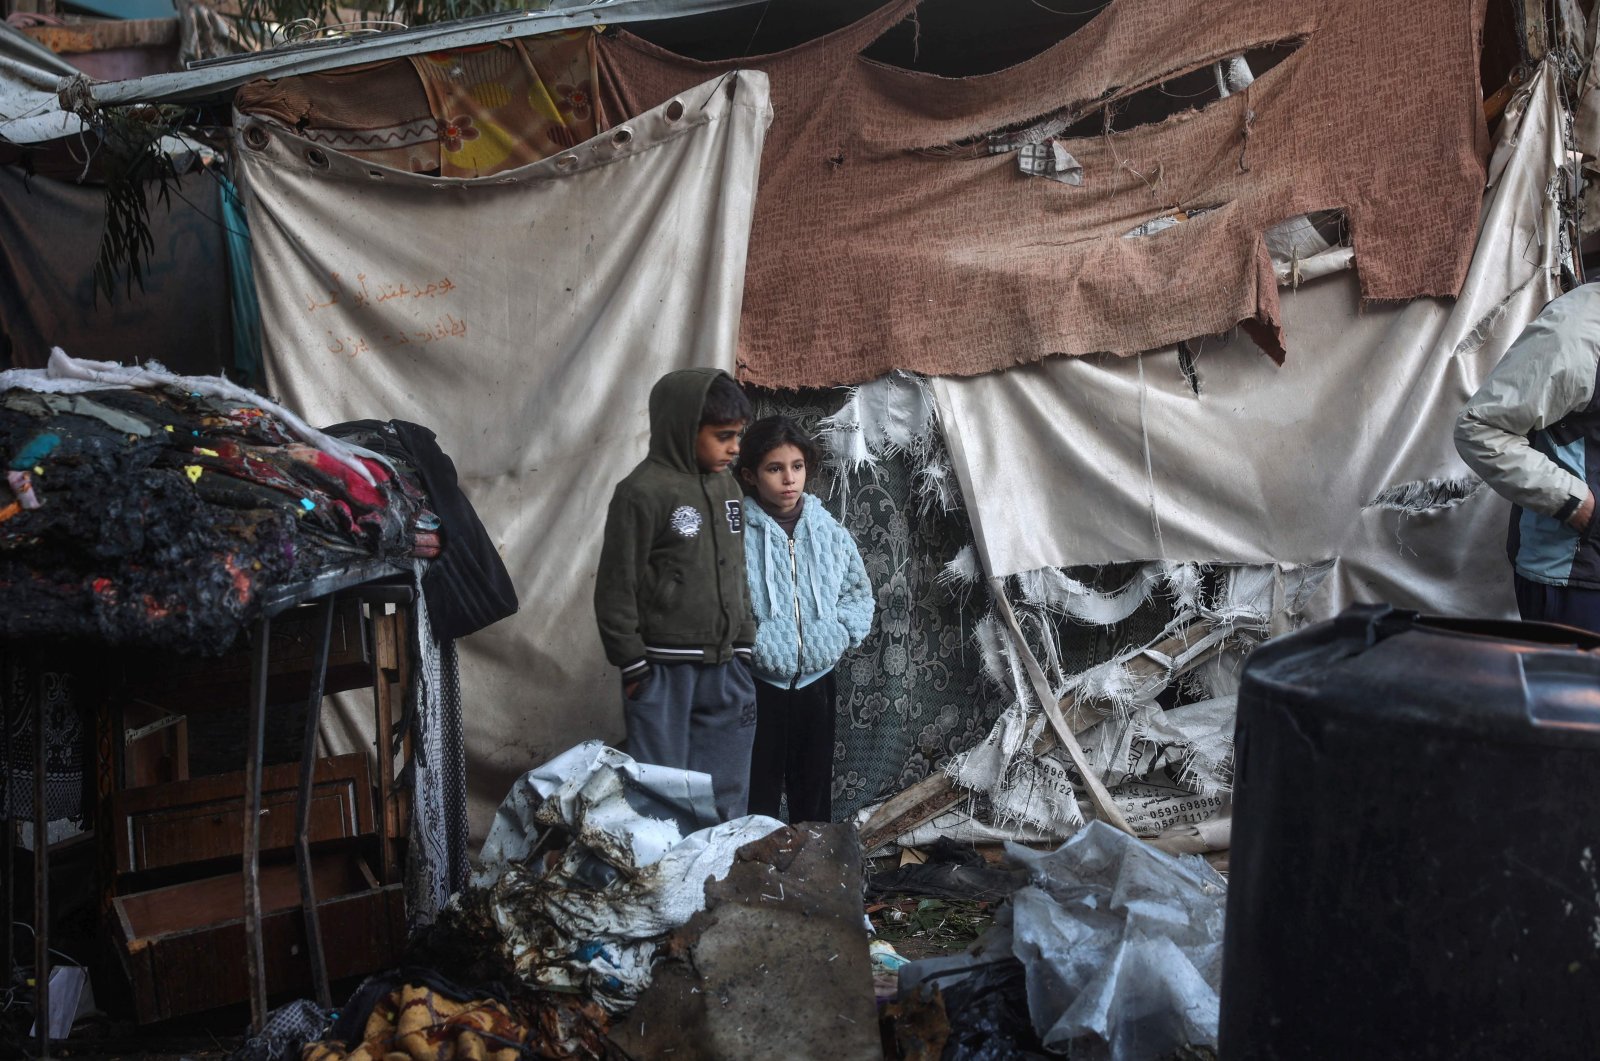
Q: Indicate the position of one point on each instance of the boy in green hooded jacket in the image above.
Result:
(670, 595)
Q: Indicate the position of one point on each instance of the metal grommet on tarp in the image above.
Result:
(317, 157)
(255, 138)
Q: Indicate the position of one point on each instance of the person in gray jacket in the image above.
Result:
(1532, 431)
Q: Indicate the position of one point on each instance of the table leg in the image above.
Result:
(302, 842)
(8, 941)
(255, 961)
(384, 663)
(41, 875)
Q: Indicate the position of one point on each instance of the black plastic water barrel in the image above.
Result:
(1415, 869)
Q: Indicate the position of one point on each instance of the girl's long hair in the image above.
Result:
(766, 435)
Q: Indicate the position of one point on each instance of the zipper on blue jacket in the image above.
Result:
(799, 631)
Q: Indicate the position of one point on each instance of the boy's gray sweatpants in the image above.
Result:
(698, 716)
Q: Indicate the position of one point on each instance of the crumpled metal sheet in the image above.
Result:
(1122, 946)
(590, 915)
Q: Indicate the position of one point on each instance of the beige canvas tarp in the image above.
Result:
(524, 318)
(888, 235)
(1343, 452)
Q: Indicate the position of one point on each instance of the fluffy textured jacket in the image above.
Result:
(802, 632)
(668, 588)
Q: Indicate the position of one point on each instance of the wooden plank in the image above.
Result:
(199, 819)
(102, 35)
(179, 908)
(386, 669)
(903, 812)
(1495, 104)
(1080, 715)
(196, 968)
(192, 684)
(1536, 34)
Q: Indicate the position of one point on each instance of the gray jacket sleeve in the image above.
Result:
(1547, 374)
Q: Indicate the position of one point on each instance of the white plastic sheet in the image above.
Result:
(634, 867)
(1098, 460)
(523, 317)
(1121, 945)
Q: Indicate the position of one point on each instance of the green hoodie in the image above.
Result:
(671, 586)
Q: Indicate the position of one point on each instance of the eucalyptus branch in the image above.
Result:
(133, 165)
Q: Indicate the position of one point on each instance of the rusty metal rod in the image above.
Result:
(255, 961)
(41, 876)
(302, 830)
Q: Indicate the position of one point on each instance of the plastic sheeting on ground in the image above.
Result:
(1272, 464)
(524, 317)
(1121, 943)
(589, 915)
(1120, 953)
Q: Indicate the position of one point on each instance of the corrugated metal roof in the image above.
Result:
(28, 115)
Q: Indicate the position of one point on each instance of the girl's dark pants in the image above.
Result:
(794, 750)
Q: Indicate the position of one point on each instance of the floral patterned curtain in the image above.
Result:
(914, 694)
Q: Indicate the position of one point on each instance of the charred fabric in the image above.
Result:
(159, 516)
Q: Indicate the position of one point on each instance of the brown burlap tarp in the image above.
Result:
(876, 245)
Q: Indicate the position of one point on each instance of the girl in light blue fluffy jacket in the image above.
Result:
(813, 603)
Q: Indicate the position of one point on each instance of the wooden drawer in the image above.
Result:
(197, 683)
(203, 819)
(183, 946)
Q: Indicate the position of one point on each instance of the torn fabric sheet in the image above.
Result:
(1056, 591)
(663, 806)
(945, 259)
(886, 416)
(464, 112)
(1163, 768)
(384, 293)
(630, 848)
(1273, 464)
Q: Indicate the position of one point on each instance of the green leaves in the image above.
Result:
(134, 168)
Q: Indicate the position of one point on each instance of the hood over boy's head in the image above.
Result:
(696, 417)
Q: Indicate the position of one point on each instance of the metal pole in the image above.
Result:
(8, 955)
(302, 832)
(41, 877)
(255, 961)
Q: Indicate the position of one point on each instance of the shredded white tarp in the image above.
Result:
(1121, 945)
(1079, 461)
(887, 417)
(635, 863)
(523, 317)
(1163, 769)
